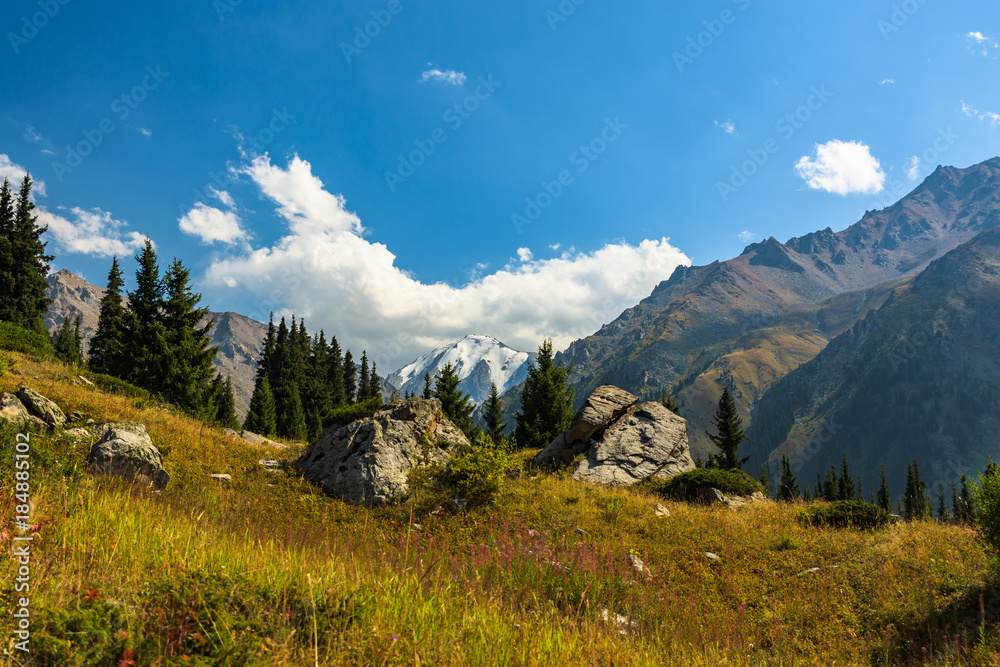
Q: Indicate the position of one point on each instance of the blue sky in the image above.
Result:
(386, 185)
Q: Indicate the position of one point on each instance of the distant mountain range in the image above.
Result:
(479, 360)
(238, 338)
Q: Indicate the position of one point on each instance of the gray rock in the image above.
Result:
(660, 510)
(12, 409)
(126, 451)
(254, 439)
(77, 433)
(367, 461)
(603, 407)
(712, 557)
(639, 566)
(221, 477)
(271, 465)
(41, 407)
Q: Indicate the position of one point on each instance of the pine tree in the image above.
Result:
(335, 374)
(831, 486)
(223, 403)
(187, 364)
(546, 401)
(428, 393)
(374, 384)
(808, 496)
(68, 342)
(818, 489)
(454, 402)
(264, 367)
(26, 304)
(942, 509)
(730, 433)
(954, 502)
(915, 501)
(364, 382)
(846, 489)
(493, 414)
(883, 492)
(350, 378)
(107, 347)
(145, 344)
(290, 416)
(8, 306)
(669, 403)
(788, 489)
(261, 417)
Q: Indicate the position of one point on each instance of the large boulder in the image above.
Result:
(126, 451)
(12, 409)
(367, 461)
(625, 441)
(42, 407)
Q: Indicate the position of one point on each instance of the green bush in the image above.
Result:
(5, 364)
(343, 416)
(688, 485)
(479, 472)
(845, 514)
(114, 385)
(16, 339)
(987, 498)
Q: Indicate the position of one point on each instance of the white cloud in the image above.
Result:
(222, 196)
(977, 37)
(980, 43)
(323, 269)
(212, 224)
(886, 81)
(556, 246)
(842, 167)
(524, 254)
(913, 167)
(747, 236)
(729, 127)
(32, 135)
(15, 173)
(448, 76)
(144, 132)
(92, 232)
(990, 117)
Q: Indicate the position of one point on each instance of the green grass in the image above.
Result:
(265, 570)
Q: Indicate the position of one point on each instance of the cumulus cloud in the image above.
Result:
(913, 167)
(324, 270)
(990, 117)
(92, 232)
(729, 127)
(747, 236)
(980, 43)
(884, 82)
(524, 254)
(842, 167)
(448, 76)
(15, 172)
(211, 224)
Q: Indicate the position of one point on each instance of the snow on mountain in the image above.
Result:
(478, 360)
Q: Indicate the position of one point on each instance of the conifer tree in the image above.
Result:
(915, 501)
(493, 414)
(26, 304)
(8, 305)
(831, 486)
(223, 403)
(261, 417)
(669, 403)
(807, 496)
(454, 402)
(846, 489)
(730, 434)
(788, 490)
(883, 492)
(818, 489)
(364, 382)
(290, 417)
(428, 393)
(145, 344)
(965, 500)
(107, 347)
(374, 384)
(942, 510)
(546, 401)
(187, 364)
(335, 374)
(267, 353)
(350, 378)
(954, 502)
(68, 342)
(762, 478)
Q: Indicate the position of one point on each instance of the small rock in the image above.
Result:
(76, 418)
(622, 622)
(581, 531)
(712, 557)
(638, 565)
(77, 433)
(47, 410)
(416, 527)
(271, 465)
(12, 409)
(660, 510)
(222, 477)
(85, 381)
(812, 570)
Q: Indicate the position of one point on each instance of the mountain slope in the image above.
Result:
(238, 338)
(918, 377)
(478, 360)
(684, 330)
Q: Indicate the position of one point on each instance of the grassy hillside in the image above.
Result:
(265, 570)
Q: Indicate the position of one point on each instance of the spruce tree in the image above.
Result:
(374, 384)
(669, 403)
(187, 364)
(915, 501)
(942, 510)
(493, 414)
(546, 401)
(428, 393)
(145, 338)
(788, 490)
(264, 366)
(965, 501)
(364, 382)
(8, 306)
(730, 435)
(26, 304)
(883, 492)
(454, 402)
(290, 416)
(350, 378)
(846, 489)
(224, 403)
(954, 502)
(68, 342)
(831, 486)
(107, 347)
(261, 417)
(335, 374)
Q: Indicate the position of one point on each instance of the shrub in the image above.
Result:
(5, 364)
(479, 472)
(987, 496)
(16, 339)
(845, 514)
(118, 386)
(687, 485)
(344, 415)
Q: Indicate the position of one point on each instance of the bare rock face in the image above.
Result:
(625, 441)
(126, 451)
(367, 461)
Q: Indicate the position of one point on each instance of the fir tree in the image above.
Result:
(818, 489)
(831, 486)
(546, 401)
(808, 496)
(454, 402)
(267, 353)
(374, 384)
(290, 416)
(669, 403)
(335, 374)
(493, 414)
(223, 403)
(350, 378)
(788, 489)
(26, 304)
(68, 342)
(965, 501)
(846, 489)
(364, 382)
(942, 510)
(428, 393)
(883, 492)
(8, 270)
(954, 502)
(261, 417)
(107, 347)
(145, 344)
(730, 436)
(187, 364)
(915, 501)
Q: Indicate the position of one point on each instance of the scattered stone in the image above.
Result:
(622, 623)
(715, 558)
(77, 433)
(639, 566)
(126, 451)
(367, 461)
(625, 441)
(416, 527)
(271, 465)
(581, 531)
(41, 407)
(660, 510)
(712, 496)
(12, 409)
(812, 570)
(76, 418)
(221, 477)
(253, 439)
(85, 381)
